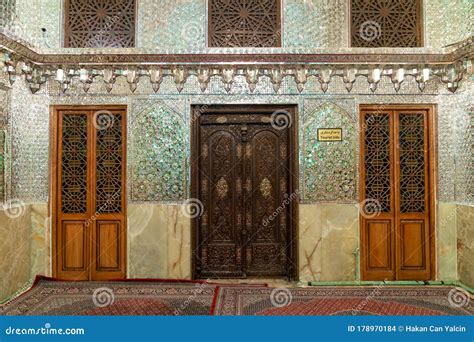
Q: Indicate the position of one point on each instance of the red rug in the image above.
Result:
(134, 297)
(386, 300)
(169, 297)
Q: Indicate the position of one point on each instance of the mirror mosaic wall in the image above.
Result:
(328, 171)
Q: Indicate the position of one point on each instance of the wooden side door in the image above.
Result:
(412, 200)
(88, 178)
(397, 193)
(74, 197)
(377, 234)
(109, 229)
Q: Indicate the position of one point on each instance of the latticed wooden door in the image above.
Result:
(242, 177)
(89, 225)
(397, 193)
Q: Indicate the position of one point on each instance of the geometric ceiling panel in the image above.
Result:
(386, 23)
(244, 23)
(99, 23)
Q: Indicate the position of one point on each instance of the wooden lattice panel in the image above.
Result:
(99, 23)
(74, 164)
(377, 160)
(412, 163)
(109, 164)
(386, 23)
(244, 23)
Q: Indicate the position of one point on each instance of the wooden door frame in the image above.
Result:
(54, 179)
(199, 109)
(431, 109)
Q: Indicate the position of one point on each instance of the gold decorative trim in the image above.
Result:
(266, 188)
(222, 188)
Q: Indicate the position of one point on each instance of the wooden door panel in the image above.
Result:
(220, 193)
(108, 245)
(74, 203)
(377, 202)
(413, 207)
(74, 252)
(379, 243)
(267, 172)
(109, 234)
(412, 238)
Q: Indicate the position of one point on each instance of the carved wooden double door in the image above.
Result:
(397, 192)
(88, 191)
(242, 175)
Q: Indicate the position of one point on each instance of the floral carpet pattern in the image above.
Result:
(130, 297)
(344, 300)
(174, 297)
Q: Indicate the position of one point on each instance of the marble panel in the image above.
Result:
(328, 239)
(147, 241)
(309, 242)
(465, 244)
(159, 241)
(446, 241)
(179, 243)
(40, 240)
(14, 249)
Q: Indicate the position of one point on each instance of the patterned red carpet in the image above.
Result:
(143, 297)
(50, 297)
(345, 300)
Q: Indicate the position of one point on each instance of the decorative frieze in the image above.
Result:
(38, 68)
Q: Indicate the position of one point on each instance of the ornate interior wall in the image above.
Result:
(159, 144)
(158, 169)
